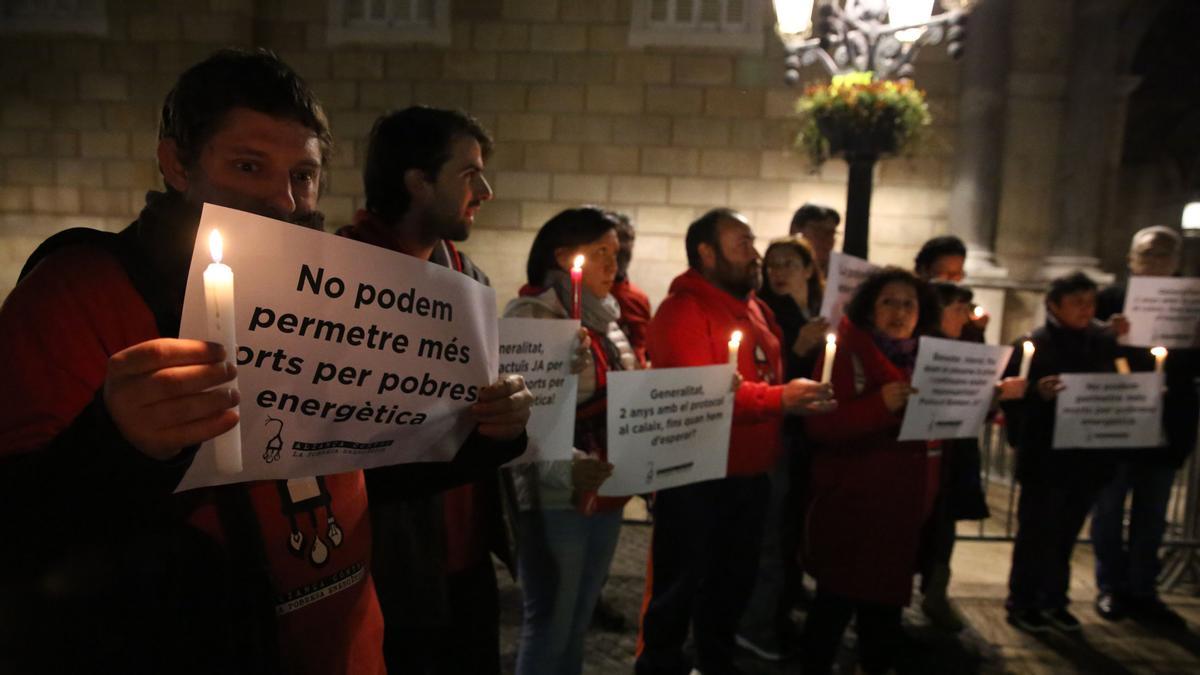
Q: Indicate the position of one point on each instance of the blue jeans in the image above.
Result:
(563, 562)
(1132, 568)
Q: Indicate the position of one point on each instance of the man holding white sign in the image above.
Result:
(105, 409)
(708, 535)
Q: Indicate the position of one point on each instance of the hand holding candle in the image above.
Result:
(735, 343)
(1026, 358)
(222, 328)
(577, 288)
(830, 352)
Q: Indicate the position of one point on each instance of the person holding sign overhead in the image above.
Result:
(566, 534)
(1058, 487)
(1127, 571)
(104, 410)
(707, 536)
(870, 494)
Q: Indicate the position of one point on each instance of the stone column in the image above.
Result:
(979, 155)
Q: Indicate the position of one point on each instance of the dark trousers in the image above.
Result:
(704, 557)
(878, 633)
(469, 643)
(1050, 514)
(1131, 567)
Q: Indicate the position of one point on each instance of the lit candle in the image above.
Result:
(1122, 365)
(830, 352)
(218, 298)
(1160, 357)
(979, 312)
(1026, 359)
(577, 288)
(735, 343)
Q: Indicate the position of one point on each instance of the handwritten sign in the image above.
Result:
(349, 355)
(846, 272)
(540, 350)
(955, 382)
(667, 427)
(1109, 410)
(1163, 311)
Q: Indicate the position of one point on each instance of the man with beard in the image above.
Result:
(707, 536)
(104, 410)
(424, 184)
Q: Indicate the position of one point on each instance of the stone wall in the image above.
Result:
(578, 117)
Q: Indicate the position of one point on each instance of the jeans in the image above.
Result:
(1131, 568)
(563, 562)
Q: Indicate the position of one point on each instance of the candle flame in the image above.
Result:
(978, 312)
(831, 338)
(736, 337)
(1159, 352)
(1028, 346)
(214, 246)
(578, 266)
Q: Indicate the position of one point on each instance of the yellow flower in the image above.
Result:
(853, 79)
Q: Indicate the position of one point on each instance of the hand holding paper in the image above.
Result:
(895, 394)
(1049, 386)
(589, 473)
(158, 394)
(503, 408)
(581, 360)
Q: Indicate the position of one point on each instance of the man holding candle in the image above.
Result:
(105, 408)
(707, 536)
(1058, 487)
(1127, 570)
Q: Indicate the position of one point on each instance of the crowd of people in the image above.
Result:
(109, 570)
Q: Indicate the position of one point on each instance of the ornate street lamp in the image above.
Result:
(881, 37)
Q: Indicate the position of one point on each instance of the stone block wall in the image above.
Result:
(578, 117)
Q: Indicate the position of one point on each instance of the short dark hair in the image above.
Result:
(809, 213)
(948, 292)
(1067, 284)
(939, 247)
(418, 137)
(704, 231)
(238, 78)
(797, 244)
(567, 229)
(861, 308)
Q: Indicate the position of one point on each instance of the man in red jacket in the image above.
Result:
(104, 408)
(704, 554)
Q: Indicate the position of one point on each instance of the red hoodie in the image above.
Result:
(692, 328)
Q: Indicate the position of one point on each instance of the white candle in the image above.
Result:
(1122, 365)
(1026, 359)
(1160, 357)
(222, 328)
(735, 343)
(830, 352)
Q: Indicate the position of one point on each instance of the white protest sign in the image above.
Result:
(846, 272)
(349, 355)
(667, 427)
(540, 350)
(955, 382)
(1109, 410)
(1163, 311)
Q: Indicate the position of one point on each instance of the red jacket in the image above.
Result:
(692, 328)
(57, 330)
(635, 315)
(869, 494)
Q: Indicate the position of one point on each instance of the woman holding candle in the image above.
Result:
(566, 535)
(1058, 487)
(870, 494)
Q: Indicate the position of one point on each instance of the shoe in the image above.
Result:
(607, 618)
(775, 651)
(1029, 620)
(1063, 620)
(1155, 612)
(1110, 607)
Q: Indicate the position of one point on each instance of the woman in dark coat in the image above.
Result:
(870, 494)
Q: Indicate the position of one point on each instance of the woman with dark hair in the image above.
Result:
(792, 287)
(870, 493)
(564, 545)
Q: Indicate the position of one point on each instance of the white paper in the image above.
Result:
(667, 427)
(955, 382)
(1163, 311)
(846, 272)
(423, 382)
(540, 350)
(1109, 410)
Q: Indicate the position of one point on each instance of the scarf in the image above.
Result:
(597, 313)
(902, 353)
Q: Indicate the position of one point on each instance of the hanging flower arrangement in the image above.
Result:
(856, 115)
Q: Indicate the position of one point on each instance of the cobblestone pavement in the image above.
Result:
(989, 645)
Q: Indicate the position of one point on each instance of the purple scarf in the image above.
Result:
(902, 353)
